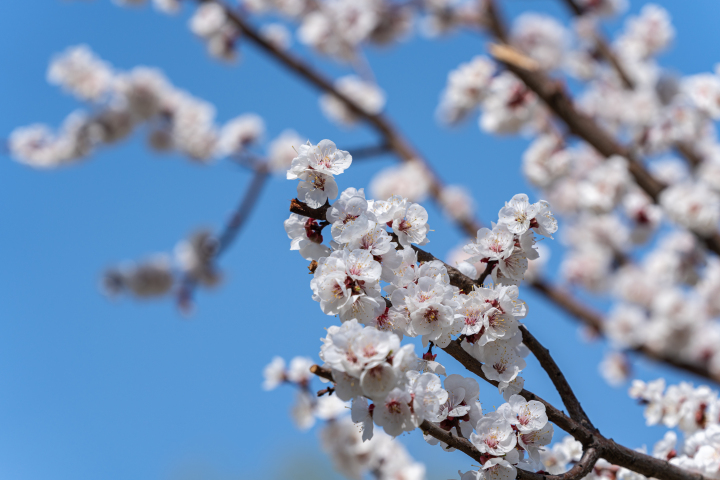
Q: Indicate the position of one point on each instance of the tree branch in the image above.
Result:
(578, 471)
(556, 376)
(362, 153)
(574, 428)
(243, 211)
(301, 208)
(553, 94)
(557, 99)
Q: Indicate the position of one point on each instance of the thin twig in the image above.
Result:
(243, 211)
(488, 270)
(371, 151)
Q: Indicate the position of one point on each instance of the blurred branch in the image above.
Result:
(362, 153)
(228, 234)
(391, 137)
(243, 211)
(555, 97)
(603, 48)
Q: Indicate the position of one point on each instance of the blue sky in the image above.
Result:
(92, 388)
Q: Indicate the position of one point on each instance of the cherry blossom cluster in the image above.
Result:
(160, 274)
(693, 410)
(121, 102)
(644, 248)
(339, 28)
(315, 167)
(567, 452)
(369, 276)
(308, 406)
(336, 28)
(507, 248)
(210, 23)
(422, 302)
(352, 453)
(609, 217)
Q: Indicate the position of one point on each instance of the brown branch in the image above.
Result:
(556, 376)
(574, 428)
(556, 98)
(604, 49)
(391, 137)
(488, 270)
(321, 372)
(580, 470)
(611, 451)
(301, 208)
(645, 464)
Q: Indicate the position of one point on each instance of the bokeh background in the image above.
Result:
(97, 389)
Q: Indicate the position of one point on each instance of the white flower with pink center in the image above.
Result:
(361, 266)
(428, 395)
(534, 441)
(501, 361)
(494, 435)
(323, 158)
(361, 413)
(511, 270)
(394, 414)
(491, 245)
(349, 216)
(472, 314)
(526, 416)
(378, 380)
(517, 214)
(427, 303)
(375, 240)
(498, 469)
(316, 188)
(411, 225)
(372, 346)
(337, 351)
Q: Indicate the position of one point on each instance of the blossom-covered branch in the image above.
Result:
(346, 282)
(554, 95)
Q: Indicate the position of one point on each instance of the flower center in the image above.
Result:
(431, 315)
